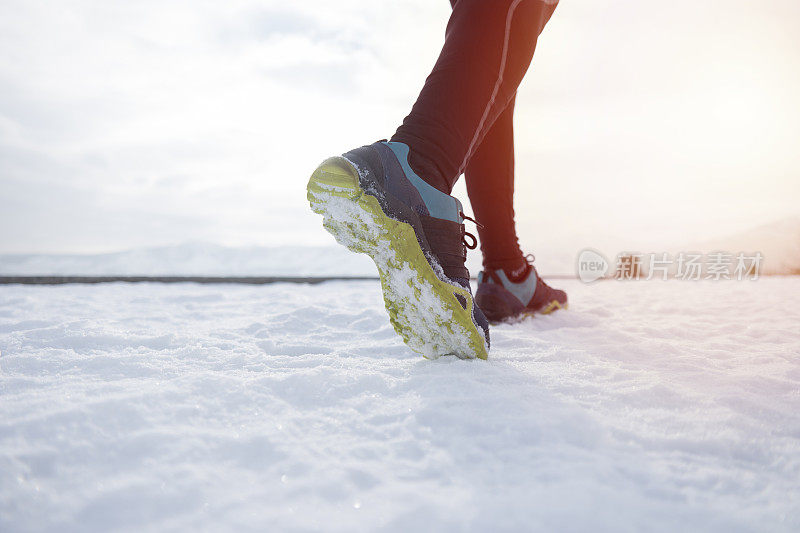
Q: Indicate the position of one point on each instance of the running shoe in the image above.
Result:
(372, 202)
(506, 296)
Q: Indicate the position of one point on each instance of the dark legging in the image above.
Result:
(462, 121)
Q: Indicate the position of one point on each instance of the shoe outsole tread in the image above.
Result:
(423, 308)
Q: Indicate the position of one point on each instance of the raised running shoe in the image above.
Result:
(374, 203)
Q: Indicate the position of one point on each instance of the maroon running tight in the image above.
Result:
(462, 121)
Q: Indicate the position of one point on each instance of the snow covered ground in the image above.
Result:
(648, 406)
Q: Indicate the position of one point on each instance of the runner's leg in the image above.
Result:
(488, 48)
(490, 185)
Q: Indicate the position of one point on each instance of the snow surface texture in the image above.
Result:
(648, 406)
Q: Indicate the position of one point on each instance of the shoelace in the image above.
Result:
(530, 258)
(468, 234)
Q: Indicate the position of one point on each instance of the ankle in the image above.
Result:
(424, 166)
(515, 268)
(428, 171)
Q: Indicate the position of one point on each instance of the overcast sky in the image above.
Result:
(641, 124)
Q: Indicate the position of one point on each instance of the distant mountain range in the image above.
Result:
(779, 242)
(196, 259)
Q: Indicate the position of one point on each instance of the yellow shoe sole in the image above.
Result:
(423, 308)
(555, 305)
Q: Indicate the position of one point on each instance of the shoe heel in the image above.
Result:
(497, 304)
(334, 177)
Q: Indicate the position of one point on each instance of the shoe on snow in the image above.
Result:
(373, 203)
(506, 296)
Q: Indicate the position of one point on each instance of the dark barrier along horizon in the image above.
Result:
(244, 280)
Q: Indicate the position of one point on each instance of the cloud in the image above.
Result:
(130, 123)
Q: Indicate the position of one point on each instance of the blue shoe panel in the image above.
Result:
(522, 291)
(437, 203)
